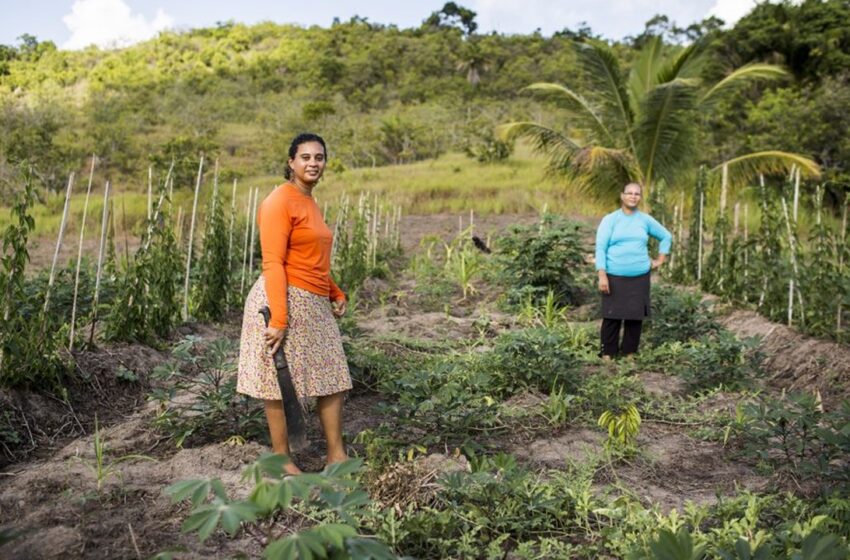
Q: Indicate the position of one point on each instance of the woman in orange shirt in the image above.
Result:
(303, 299)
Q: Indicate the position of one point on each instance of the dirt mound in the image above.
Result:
(674, 469)
(106, 383)
(796, 361)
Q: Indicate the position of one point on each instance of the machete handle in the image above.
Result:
(279, 356)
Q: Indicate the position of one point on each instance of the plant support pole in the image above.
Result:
(80, 257)
(191, 235)
(58, 243)
(103, 227)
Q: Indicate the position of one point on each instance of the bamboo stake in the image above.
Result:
(736, 215)
(746, 239)
(103, 225)
(841, 250)
(699, 246)
(796, 195)
(80, 257)
(676, 229)
(793, 246)
(764, 213)
(232, 226)
(247, 232)
(150, 190)
(253, 233)
(62, 224)
(179, 226)
(191, 239)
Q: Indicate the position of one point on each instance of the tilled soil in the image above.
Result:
(55, 500)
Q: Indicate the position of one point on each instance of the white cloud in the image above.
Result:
(730, 11)
(110, 23)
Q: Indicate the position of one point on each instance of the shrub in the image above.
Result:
(546, 256)
(793, 433)
(677, 316)
(719, 359)
(535, 358)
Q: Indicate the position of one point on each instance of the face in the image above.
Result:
(309, 162)
(631, 196)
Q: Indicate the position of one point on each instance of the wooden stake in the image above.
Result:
(247, 234)
(232, 226)
(64, 221)
(699, 246)
(796, 195)
(191, 240)
(150, 191)
(103, 226)
(80, 257)
(253, 233)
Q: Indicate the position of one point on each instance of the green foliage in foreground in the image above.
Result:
(332, 493)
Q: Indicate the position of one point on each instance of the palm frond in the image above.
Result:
(602, 70)
(685, 64)
(558, 147)
(747, 74)
(578, 106)
(602, 172)
(644, 74)
(745, 169)
(665, 130)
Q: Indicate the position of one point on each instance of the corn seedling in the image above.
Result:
(103, 467)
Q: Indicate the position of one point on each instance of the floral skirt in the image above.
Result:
(313, 347)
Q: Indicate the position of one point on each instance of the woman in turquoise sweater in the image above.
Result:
(623, 265)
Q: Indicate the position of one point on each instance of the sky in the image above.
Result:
(75, 24)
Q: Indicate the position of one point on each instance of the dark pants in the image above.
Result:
(611, 337)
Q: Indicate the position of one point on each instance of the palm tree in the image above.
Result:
(643, 128)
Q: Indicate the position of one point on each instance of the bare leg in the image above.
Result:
(277, 430)
(330, 414)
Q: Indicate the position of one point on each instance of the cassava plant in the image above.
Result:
(28, 356)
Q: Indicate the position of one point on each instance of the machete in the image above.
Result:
(291, 407)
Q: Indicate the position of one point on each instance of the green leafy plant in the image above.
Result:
(544, 257)
(332, 492)
(146, 306)
(719, 359)
(29, 347)
(205, 372)
(677, 316)
(212, 285)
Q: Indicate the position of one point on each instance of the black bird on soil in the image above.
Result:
(480, 245)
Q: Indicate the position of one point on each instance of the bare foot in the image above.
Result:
(334, 459)
(291, 468)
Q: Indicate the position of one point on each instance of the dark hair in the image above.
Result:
(302, 138)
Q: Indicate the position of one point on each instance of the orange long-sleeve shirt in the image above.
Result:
(296, 245)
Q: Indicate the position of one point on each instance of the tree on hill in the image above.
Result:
(642, 126)
(453, 15)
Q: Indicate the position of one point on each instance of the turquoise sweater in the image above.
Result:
(621, 243)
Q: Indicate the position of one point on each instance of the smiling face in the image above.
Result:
(308, 164)
(630, 197)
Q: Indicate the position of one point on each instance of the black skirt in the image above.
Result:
(628, 298)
